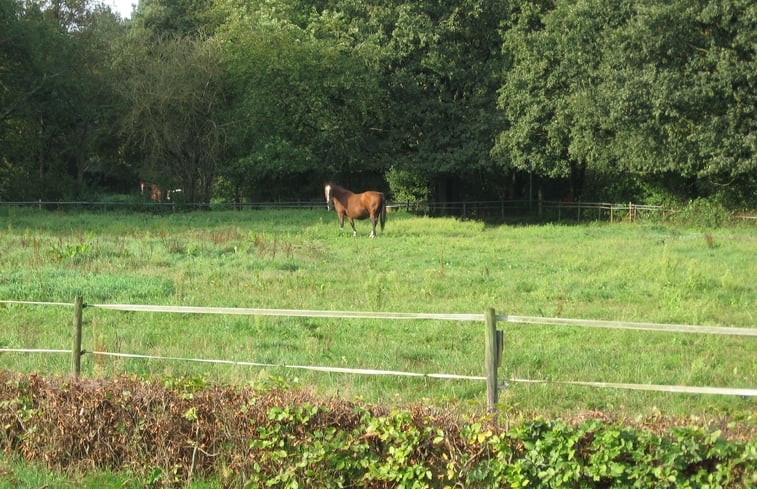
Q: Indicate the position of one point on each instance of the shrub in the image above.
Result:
(706, 213)
(174, 431)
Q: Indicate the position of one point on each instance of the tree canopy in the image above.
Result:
(427, 99)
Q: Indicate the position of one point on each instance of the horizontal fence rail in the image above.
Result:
(645, 326)
(669, 328)
(534, 320)
(344, 370)
(680, 389)
(244, 311)
(462, 207)
(485, 208)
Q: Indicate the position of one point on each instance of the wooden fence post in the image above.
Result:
(76, 345)
(491, 358)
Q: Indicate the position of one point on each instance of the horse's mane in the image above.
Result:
(336, 187)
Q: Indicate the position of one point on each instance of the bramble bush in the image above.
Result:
(173, 432)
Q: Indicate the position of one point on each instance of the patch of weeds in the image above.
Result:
(172, 243)
(225, 236)
(61, 251)
(711, 244)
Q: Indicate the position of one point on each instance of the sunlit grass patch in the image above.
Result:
(300, 260)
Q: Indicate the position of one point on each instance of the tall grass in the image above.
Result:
(300, 260)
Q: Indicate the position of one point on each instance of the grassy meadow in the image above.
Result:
(299, 259)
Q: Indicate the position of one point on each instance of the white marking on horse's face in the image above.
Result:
(327, 191)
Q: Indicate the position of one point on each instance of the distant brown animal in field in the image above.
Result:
(370, 204)
(156, 195)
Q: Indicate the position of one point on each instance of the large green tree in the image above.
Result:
(442, 63)
(630, 88)
(173, 86)
(446, 100)
(55, 95)
(174, 17)
(348, 87)
(306, 102)
(680, 87)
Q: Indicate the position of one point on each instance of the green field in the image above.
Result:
(298, 259)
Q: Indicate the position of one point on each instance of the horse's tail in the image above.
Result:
(383, 210)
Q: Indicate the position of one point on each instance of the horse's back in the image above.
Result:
(372, 201)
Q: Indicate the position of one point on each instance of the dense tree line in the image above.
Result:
(428, 99)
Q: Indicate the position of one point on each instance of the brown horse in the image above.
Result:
(156, 195)
(356, 206)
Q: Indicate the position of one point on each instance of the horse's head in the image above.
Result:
(327, 191)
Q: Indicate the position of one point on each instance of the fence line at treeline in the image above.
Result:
(613, 212)
(494, 342)
(485, 208)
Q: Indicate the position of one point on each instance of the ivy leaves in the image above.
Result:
(409, 449)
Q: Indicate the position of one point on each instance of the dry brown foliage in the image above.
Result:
(139, 426)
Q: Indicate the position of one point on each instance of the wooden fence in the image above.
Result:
(494, 341)
(578, 211)
(465, 209)
(556, 209)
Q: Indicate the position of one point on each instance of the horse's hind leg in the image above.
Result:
(373, 231)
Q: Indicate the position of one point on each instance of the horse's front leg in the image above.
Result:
(352, 223)
(341, 221)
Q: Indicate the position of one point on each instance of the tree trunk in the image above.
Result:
(577, 179)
